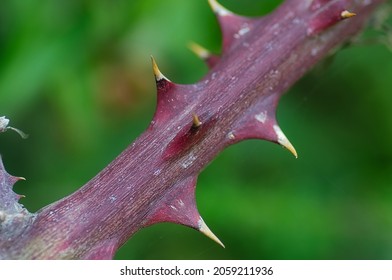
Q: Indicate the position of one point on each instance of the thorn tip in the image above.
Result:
(346, 14)
(282, 140)
(196, 121)
(200, 51)
(218, 8)
(157, 73)
(203, 228)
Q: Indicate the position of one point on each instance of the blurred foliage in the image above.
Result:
(76, 76)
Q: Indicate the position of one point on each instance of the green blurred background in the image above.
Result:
(76, 76)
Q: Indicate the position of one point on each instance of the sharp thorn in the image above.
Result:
(346, 14)
(218, 8)
(203, 228)
(158, 75)
(4, 127)
(200, 51)
(15, 179)
(196, 121)
(20, 132)
(282, 140)
(209, 58)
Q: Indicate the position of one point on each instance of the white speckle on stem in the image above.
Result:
(245, 29)
(181, 203)
(315, 51)
(296, 21)
(2, 216)
(112, 198)
(189, 161)
(261, 117)
(274, 75)
(269, 46)
(231, 136)
(157, 172)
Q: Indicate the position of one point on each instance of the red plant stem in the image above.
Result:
(102, 215)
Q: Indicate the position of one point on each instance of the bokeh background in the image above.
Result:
(76, 76)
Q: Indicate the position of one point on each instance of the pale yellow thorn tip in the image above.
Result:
(199, 50)
(203, 228)
(158, 75)
(218, 8)
(346, 14)
(196, 121)
(291, 148)
(282, 140)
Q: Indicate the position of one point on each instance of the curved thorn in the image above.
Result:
(209, 58)
(20, 132)
(282, 140)
(4, 127)
(218, 8)
(196, 121)
(203, 228)
(200, 51)
(15, 179)
(158, 75)
(346, 14)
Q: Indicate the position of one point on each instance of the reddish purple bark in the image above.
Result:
(154, 179)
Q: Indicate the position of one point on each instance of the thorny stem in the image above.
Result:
(162, 165)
